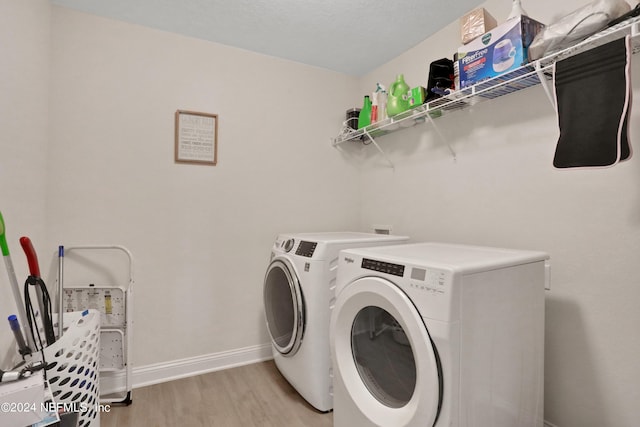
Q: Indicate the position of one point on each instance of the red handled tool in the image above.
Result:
(15, 288)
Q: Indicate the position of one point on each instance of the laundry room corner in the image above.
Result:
(200, 234)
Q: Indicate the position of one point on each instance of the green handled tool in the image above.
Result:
(15, 288)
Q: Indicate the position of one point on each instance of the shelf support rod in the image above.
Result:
(366, 132)
(441, 136)
(545, 84)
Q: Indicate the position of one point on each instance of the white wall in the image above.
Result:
(200, 235)
(503, 191)
(24, 85)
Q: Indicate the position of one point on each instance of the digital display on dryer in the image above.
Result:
(418, 274)
(306, 248)
(383, 267)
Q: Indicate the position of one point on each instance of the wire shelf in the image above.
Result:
(532, 74)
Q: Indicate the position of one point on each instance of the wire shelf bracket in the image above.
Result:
(373, 141)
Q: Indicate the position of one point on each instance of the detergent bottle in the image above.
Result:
(397, 99)
(364, 118)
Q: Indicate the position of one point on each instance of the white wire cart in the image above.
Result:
(100, 277)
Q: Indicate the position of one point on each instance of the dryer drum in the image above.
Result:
(284, 310)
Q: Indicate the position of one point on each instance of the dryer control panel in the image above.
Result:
(429, 280)
(383, 267)
(306, 249)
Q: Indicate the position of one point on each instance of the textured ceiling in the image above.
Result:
(351, 37)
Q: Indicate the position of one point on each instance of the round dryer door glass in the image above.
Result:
(383, 356)
(283, 307)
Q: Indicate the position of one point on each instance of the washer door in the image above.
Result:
(384, 355)
(283, 306)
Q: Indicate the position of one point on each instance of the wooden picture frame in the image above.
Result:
(196, 139)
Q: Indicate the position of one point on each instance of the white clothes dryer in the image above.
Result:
(298, 288)
(433, 334)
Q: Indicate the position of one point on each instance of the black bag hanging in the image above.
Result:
(593, 99)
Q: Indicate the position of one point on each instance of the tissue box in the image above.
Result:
(476, 23)
(497, 51)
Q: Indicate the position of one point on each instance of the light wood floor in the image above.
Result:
(252, 395)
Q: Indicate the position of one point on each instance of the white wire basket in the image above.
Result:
(73, 363)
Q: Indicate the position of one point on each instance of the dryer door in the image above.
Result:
(384, 355)
(283, 306)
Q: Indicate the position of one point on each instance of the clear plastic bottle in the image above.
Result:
(374, 107)
(381, 93)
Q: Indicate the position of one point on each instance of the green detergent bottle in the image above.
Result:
(364, 118)
(397, 99)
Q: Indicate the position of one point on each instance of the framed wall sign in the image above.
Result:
(196, 138)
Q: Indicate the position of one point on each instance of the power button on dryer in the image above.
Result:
(288, 245)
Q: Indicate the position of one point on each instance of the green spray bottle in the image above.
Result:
(364, 118)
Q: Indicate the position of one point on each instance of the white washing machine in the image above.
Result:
(433, 334)
(298, 287)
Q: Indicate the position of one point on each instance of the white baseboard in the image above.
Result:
(183, 368)
(548, 424)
